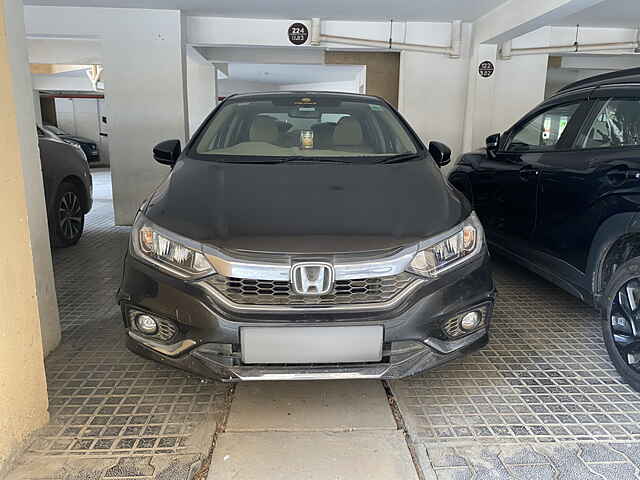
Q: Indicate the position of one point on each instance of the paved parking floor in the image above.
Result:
(541, 401)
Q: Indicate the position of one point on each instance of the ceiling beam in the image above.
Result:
(53, 68)
(518, 17)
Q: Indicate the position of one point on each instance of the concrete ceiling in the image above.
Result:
(425, 10)
(292, 74)
(609, 13)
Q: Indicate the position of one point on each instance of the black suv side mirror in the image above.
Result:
(167, 152)
(493, 142)
(440, 153)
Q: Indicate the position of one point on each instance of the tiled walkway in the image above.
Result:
(541, 401)
(540, 395)
(114, 414)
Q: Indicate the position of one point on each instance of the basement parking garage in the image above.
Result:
(403, 245)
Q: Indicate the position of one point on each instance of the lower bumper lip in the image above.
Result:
(406, 361)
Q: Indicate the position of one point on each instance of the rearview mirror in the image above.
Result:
(167, 152)
(493, 142)
(440, 153)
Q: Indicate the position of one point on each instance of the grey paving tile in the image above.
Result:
(615, 471)
(532, 472)
(631, 451)
(445, 457)
(486, 463)
(600, 453)
(463, 473)
(521, 455)
(568, 464)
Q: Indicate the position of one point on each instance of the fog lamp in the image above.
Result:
(147, 324)
(470, 321)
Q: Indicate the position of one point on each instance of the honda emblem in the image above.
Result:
(311, 278)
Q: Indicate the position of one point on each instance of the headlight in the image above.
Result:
(167, 250)
(458, 246)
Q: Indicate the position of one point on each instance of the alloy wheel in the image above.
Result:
(70, 215)
(625, 322)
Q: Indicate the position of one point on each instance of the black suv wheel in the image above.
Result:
(621, 321)
(68, 216)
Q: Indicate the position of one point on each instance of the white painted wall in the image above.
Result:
(520, 86)
(64, 51)
(350, 86)
(65, 116)
(142, 52)
(144, 92)
(280, 55)
(37, 108)
(228, 86)
(201, 88)
(433, 93)
(239, 31)
(62, 83)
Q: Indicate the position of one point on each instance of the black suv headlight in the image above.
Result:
(448, 250)
(168, 251)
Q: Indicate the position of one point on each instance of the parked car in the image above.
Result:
(305, 236)
(68, 188)
(88, 146)
(559, 192)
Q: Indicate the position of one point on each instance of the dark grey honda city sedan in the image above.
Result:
(305, 235)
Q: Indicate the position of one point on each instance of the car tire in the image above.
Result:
(620, 319)
(67, 218)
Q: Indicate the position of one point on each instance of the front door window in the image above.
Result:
(544, 131)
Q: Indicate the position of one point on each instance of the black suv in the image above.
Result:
(559, 192)
(305, 236)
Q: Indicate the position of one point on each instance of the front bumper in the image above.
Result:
(207, 339)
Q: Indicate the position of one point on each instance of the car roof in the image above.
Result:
(311, 93)
(627, 76)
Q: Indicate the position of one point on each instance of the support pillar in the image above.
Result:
(23, 393)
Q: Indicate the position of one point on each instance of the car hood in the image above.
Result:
(306, 207)
(78, 139)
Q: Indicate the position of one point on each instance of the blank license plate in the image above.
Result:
(311, 344)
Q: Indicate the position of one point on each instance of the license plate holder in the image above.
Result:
(304, 345)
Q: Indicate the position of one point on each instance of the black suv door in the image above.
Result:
(506, 187)
(576, 187)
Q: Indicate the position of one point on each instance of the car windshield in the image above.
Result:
(301, 127)
(55, 130)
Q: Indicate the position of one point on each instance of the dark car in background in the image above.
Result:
(68, 188)
(559, 192)
(88, 146)
(305, 236)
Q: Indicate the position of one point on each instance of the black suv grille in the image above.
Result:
(273, 292)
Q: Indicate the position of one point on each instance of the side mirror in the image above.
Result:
(493, 142)
(167, 152)
(440, 153)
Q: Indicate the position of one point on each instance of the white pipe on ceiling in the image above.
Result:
(580, 48)
(453, 49)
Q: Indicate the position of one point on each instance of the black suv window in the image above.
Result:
(617, 124)
(543, 131)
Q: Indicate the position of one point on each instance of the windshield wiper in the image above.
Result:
(402, 157)
(301, 158)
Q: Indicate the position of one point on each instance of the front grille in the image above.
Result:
(274, 292)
